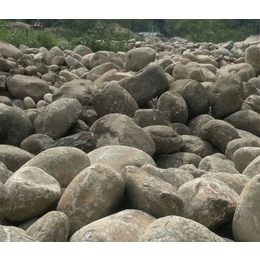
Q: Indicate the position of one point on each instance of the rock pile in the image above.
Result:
(161, 143)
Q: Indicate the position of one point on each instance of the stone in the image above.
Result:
(176, 177)
(5, 201)
(14, 157)
(31, 70)
(151, 194)
(148, 117)
(146, 84)
(194, 144)
(12, 119)
(218, 133)
(69, 76)
(14, 234)
(125, 226)
(33, 192)
(226, 96)
(214, 163)
(252, 56)
(254, 103)
(4, 173)
(247, 120)
(194, 94)
(178, 229)
(245, 224)
(62, 163)
(52, 227)
(81, 89)
(176, 160)
(81, 50)
(137, 59)
(197, 123)
(58, 117)
(204, 195)
(165, 138)
(52, 53)
(117, 157)
(252, 87)
(181, 129)
(29, 103)
(9, 50)
(21, 86)
(36, 143)
(51, 77)
(117, 129)
(95, 193)
(244, 156)
(191, 169)
(173, 106)
(111, 98)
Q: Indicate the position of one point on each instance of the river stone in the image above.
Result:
(117, 157)
(8, 50)
(226, 96)
(191, 169)
(165, 138)
(148, 117)
(236, 144)
(173, 105)
(111, 98)
(254, 103)
(52, 53)
(81, 50)
(214, 163)
(33, 192)
(194, 144)
(247, 120)
(252, 87)
(246, 220)
(14, 157)
(21, 86)
(58, 117)
(176, 160)
(95, 193)
(219, 134)
(194, 94)
(197, 123)
(202, 196)
(151, 194)
(176, 177)
(14, 234)
(137, 59)
(13, 119)
(4, 173)
(62, 163)
(146, 84)
(36, 143)
(178, 229)
(125, 226)
(5, 201)
(244, 156)
(81, 89)
(52, 227)
(117, 129)
(252, 56)
(237, 182)
(181, 129)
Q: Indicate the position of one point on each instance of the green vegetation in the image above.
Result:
(98, 35)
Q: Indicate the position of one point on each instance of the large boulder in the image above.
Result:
(15, 126)
(81, 50)
(252, 57)
(125, 226)
(7, 50)
(33, 192)
(204, 195)
(146, 84)
(58, 117)
(5, 201)
(81, 89)
(151, 194)
(226, 96)
(118, 156)
(194, 94)
(62, 163)
(111, 98)
(95, 193)
(52, 227)
(178, 229)
(117, 129)
(246, 221)
(21, 86)
(137, 59)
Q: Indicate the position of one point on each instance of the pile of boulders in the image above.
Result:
(161, 143)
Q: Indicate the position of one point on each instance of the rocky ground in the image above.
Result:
(161, 143)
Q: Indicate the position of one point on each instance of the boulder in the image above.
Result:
(5, 201)
(62, 163)
(252, 56)
(117, 129)
(4, 173)
(8, 50)
(33, 192)
(95, 193)
(81, 50)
